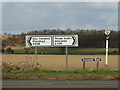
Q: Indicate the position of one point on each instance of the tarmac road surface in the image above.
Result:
(60, 84)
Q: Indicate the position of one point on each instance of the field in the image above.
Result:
(57, 62)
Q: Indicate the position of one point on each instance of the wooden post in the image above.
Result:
(83, 64)
(97, 64)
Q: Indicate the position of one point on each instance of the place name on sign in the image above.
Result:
(91, 59)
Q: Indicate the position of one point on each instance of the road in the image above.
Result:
(60, 84)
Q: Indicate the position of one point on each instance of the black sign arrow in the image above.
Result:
(74, 40)
(29, 39)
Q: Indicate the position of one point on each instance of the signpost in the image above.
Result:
(107, 33)
(66, 57)
(52, 41)
(91, 59)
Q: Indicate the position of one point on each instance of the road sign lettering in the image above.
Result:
(91, 59)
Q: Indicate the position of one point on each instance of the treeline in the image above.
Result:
(87, 38)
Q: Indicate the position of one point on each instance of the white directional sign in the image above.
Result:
(36, 41)
(65, 40)
(51, 40)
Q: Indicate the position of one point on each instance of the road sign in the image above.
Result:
(107, 32)
(37, 41)
(65, 40)
(91, 59)
(51, 40)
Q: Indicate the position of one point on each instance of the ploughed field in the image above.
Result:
(58, 62)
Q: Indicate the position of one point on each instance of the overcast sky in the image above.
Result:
(21, 17)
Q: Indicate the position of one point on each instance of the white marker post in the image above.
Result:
(107, 33)
(106, 52)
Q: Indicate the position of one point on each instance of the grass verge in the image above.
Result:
(54, 73)
(101, 74)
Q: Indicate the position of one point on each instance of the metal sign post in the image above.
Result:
(36, 60)
(66, 57)
(107, 33)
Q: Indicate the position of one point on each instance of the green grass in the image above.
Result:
(72, 51)
(57, 73)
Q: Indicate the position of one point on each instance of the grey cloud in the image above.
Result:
(23, 17)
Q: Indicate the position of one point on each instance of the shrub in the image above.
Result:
(10, 51)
